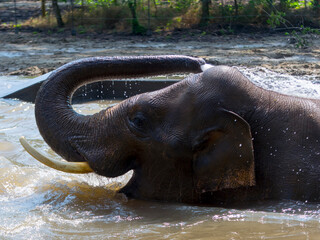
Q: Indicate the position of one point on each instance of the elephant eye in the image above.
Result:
(139, 123)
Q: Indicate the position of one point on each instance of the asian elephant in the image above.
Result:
(212, 137)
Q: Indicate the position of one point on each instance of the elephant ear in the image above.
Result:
(223, 155)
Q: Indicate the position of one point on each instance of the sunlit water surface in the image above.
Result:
(37, 202)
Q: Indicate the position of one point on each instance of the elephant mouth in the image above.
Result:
(64, 166)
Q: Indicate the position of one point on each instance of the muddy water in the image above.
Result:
(37, 202)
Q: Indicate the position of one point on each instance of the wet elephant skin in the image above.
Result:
(213, 137)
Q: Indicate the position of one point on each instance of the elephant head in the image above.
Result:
(179, 141)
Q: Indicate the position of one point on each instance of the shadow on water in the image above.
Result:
(37, 202)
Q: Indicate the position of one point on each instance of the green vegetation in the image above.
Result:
(139, 16)
(301, 37)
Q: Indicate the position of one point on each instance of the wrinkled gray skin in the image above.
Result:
(212, 137)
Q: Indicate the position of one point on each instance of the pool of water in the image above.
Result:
(37, 202)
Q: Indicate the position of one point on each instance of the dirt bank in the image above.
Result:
(42, 52)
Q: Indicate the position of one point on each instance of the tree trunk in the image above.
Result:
(316, 6)
(43, 8)
(205, 12)
(136, 27)
(57, 13)
(270, 3)
(283, 5)
(132, 6)
(236, 7)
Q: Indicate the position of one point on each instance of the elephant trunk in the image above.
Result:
(64, 129)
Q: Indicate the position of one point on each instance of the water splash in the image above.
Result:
(303, 86)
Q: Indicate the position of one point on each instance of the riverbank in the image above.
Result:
(33, 53)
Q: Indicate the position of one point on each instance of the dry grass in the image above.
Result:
(118, 18)
(163, 18)
(108, 18)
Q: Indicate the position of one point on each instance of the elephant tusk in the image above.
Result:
(206, 66)
(64, 166)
